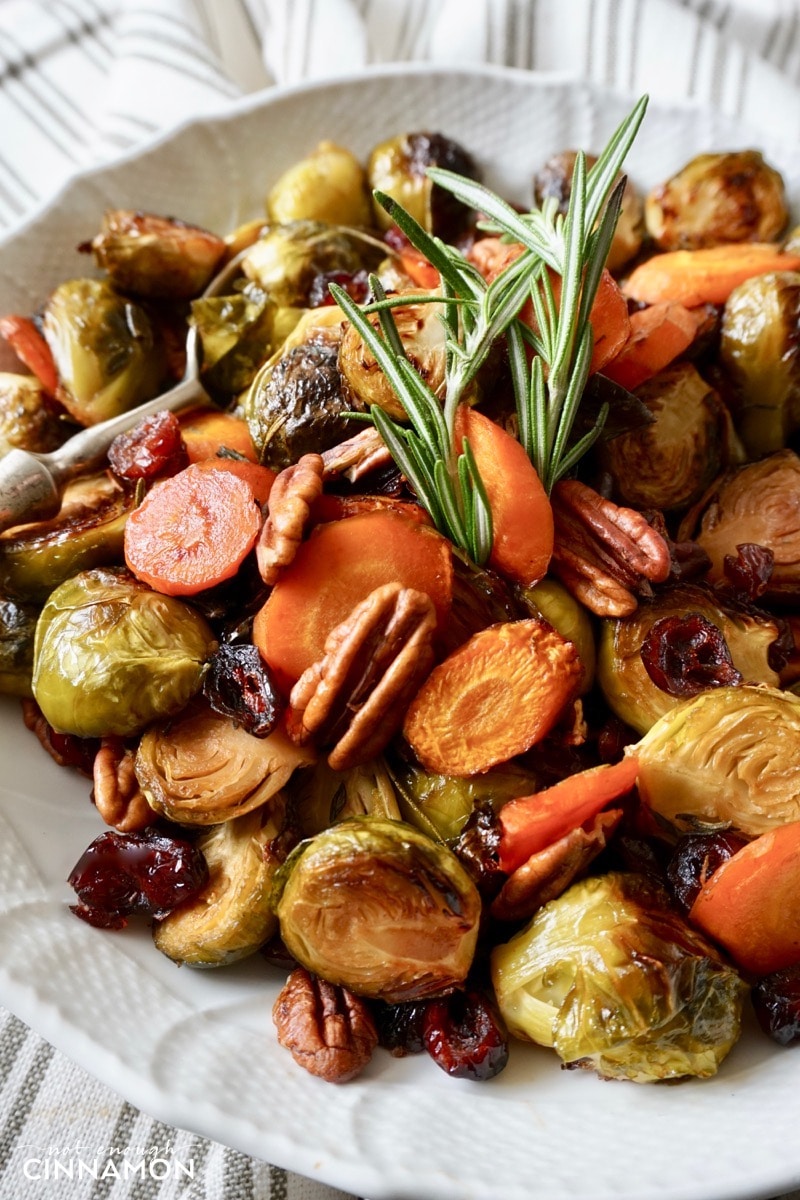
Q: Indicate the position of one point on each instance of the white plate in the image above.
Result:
(196, 1049)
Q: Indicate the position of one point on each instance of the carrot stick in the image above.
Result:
(205, 432)
(31, 349)
(337, 568)
(751, 904)
(695, 277)
(493, 698)
(192, 531)
(531, 823)
(659, 334)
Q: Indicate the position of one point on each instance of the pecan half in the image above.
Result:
(605, 555)
(117, 795)
(357, 456)
(327, 1029)
(294, 491)
(355, 697)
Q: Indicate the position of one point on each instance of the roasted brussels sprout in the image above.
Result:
(231, 917)
(105, 353)
(728, 757)
(325, 796)
(441, 805)
(551, 600)
(760, 353)
(621, 674)
(157, 257)
(288, 258)
(202, 768)
(26, 420)
(379, 908)
(399, 167)
(613, 978)
(111, 656)
(553, 180)
(236, 335)
(423, 337)
(328, 185)
(716, 198)
(87, 531)
(669, 464)
(17, 632)
(758, 503)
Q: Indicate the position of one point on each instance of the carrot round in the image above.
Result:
(259, 478)
(751, 904)
(695, 277)
(659, 334)
(205, 432)
(521, 514)
(493, 698)
(31, 348)
(332, 507)
(531, 823)
(337, 568)
(192, 531)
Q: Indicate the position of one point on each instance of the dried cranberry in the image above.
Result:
(477, 847)
(695, 859)
(687, 655)
(356, 285)
(126, 874)
(401, 1027)
(154, 446)
(749, 573)
(465, 1036)
(239, 685)
(776, 1000)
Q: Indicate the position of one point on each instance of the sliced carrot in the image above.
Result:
(418, 269)
(521, 512)
(192, 531)
(337, 568)
(31, 348)
(330, 507)
(531, 823)
(659, 334)
(493, 698)
(751, 904)
(259, 478)
(694, 277)
(206, 432)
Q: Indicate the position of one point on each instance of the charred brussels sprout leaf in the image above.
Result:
(324, 796)
(104, 350)
(441, 805)
(328, 185)
(728, 757)
(111, 656)
(17, 631)
(231, 917)
(287, 260)
(613, 978)
(156, 256)
(379, 908)
(235, 335)
(398, 167)
(26, 420)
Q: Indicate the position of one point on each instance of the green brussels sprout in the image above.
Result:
(157, 257)
(231, 917)
(110, 656)
(621, 674)
(87, 531)
(328, 185)
(716, 198)
(287, 259)
(398, 167)
(379, 908)
(324, 796)
(27, 422)
(235, 335)
(17, 633)
(440, 805)
(551, 600)
(201, 768)
(104, 350)
(729, 757)
(613, 978)
(669, 464)
(761, 357)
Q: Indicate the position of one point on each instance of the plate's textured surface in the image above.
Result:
(197, 1049)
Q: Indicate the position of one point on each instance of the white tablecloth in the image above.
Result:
(82, 81)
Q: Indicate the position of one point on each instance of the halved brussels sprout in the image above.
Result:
(551, 600)
(613, 978)
(231, 917)
(235, 337)
(621, 674)
(88, 531)
(156, 256)
(715, 198)
(17, 633)
(669, 464)
(104, 350)
(287, 259)
(325, 796)
(760, 353)
(202, 768)
(328, 185)
(111, 656)
(27, 422)
(379, 908)
(729, 757)
(441, 805)
(399, 167)
(423, 337)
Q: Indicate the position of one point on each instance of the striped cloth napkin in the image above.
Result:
(82, 81)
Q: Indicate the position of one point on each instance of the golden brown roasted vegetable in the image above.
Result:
(328, 185)
(158, 257)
